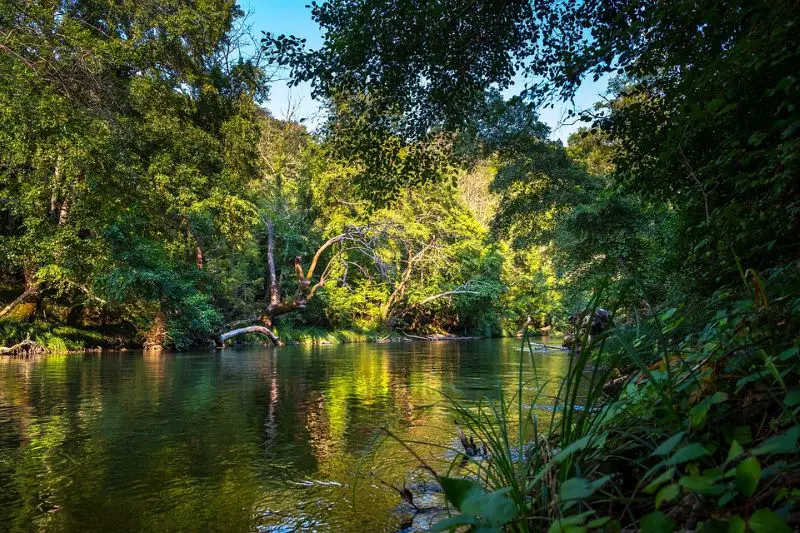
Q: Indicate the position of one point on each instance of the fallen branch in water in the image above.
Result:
(420, 337)
(220, 340)
(548, 346)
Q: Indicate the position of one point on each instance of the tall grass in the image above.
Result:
(58, 339)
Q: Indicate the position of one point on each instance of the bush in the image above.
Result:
(687, 420)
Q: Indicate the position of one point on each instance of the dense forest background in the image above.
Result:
(148, 198)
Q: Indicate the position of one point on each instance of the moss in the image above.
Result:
(314, 335)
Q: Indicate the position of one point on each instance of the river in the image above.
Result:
(251, 439)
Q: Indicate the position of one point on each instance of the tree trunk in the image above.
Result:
(63, 215)
(273, 294)
(75, 315)
(156, 336)
(250, 329)
(305, 291)
(54, 190)
(31, 291)
(26, 347)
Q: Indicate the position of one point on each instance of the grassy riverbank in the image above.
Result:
(62, 338)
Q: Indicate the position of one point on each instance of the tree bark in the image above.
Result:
(26, 347)
(273, 293)
(63, 215)
(54, 189)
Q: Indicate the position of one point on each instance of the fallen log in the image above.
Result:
(26, 348)
(546, 347)
(262, 330)
(418, 337)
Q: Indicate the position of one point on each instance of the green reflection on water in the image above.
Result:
(235, 440)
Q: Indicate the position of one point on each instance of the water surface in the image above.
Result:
(255, 439)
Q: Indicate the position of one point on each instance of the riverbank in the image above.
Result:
(321, 336)
(18, 338)
(687, 422)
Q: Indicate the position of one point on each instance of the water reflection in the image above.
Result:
(245, 440)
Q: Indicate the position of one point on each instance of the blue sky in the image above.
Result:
(293, 17)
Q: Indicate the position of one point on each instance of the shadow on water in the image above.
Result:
(242, 440)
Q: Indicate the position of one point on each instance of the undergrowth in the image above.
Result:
(54, 339)
(314, 335)
(684, 420)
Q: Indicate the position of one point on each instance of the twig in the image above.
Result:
(422, 462)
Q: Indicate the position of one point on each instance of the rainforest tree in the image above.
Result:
(126, 134)
(705, 113)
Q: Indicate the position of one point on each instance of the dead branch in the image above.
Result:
(26, 348)
(262, 330)
(446, 294)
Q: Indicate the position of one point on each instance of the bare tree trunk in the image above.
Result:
(388, 308)
(33, 288)
(273, 296)
(63, 215)
(277, 306)
(26, 347)
(54, 189)
(198, 250)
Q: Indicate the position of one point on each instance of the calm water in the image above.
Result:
(241, 440)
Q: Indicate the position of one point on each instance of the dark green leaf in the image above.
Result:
(657, 522)
(688, 453)
(454, 521)
(736, 525)
(667, 494)
(668, 445)
(579, 488)
(747, 474)
(457, 490)
(792, 398)
(660, 480)
(735, 451)
(765, 521)
(783, 443)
